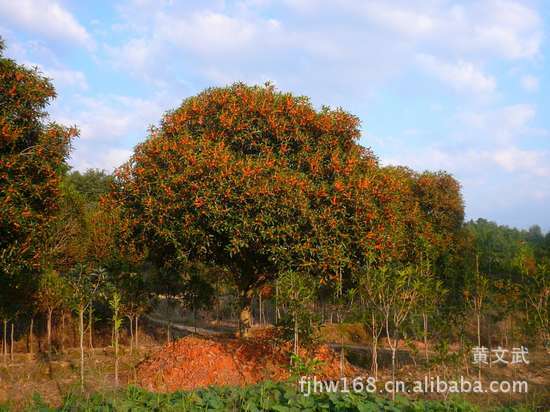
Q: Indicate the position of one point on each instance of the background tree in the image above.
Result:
(136, 299)
(476, 294)
(84, 285)
(51, 294)
(537, 292)
(32, 161)
(393, 291)
(114, 300)
(298, 292)
(198, 292)
(431, 294)
(91, 185)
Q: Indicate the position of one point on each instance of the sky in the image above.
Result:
(438, 85)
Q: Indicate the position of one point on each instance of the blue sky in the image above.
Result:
(459, 86)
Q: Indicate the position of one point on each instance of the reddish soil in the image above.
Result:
(195, 362)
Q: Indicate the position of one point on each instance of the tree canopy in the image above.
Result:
(33, 152)
(259, 181)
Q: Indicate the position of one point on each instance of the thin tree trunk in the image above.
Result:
(49, 330)
(393, 351)
(217, 308)
(116, 356)
(81, 333)
(425, 321)
(260, 304)
(131, 319)
(90, 326)
(137, 332)
(374, 348)
(295, 334)
(478, 318)
(277, 314)
(393, 348)
(11, 340)
(341, 356)
(506, 325)
(489, 340)
(5, 341)
(31, 332)
(467, 363)
(194, 316)
(63, 331)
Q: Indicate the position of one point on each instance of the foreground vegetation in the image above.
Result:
(57, 380)
(268, 396)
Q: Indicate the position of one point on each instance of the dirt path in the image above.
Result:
(190, 328)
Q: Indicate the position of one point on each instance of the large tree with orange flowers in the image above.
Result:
(32, 162)
(260, 182)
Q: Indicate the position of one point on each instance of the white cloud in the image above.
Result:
(407, 22)
(502, 28)
(110, 118)
(208, 32)
(102, 157)
(30, 52)
(331, 42)
(62, 77)
(47, 18)
(509, 28)
(138, 55)
(514, 159)
(530, 83)
(502, 125)
(110, 125)
(461, 76)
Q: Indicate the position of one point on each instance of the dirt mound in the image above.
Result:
(194, 362)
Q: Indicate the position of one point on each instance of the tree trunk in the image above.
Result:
(5, 341)
(425, 319)
(81, 333)
(90, 326)
(49, 330)
(11, 340)
(295, 334)
(260, 305)
(31, 332)
(393, 347)
(195, 316)
(341, 356)
(116, 356)
(277, 314)
(393, 351)
(137, 332)
(478, 318)
(131, 319)
(62, 331)
(374, 348)
(506, 325)
(245, 315)
(217, 309)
